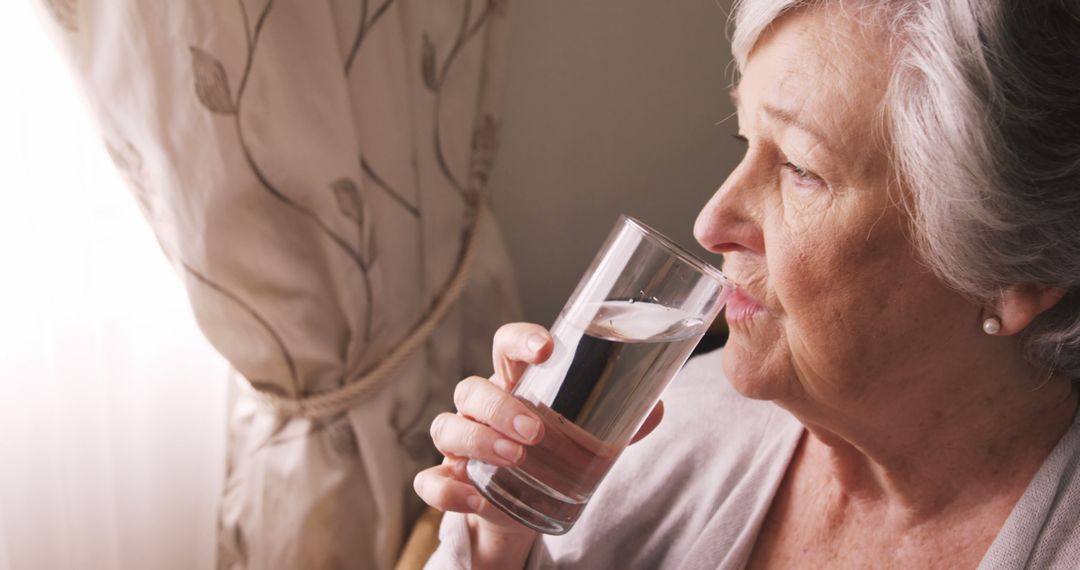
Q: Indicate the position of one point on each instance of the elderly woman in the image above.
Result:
(897, 390)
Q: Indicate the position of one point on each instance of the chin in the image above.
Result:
(751, 374)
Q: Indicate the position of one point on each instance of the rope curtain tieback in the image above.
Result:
(337, 401)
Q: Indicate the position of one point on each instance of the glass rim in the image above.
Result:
(681, 252)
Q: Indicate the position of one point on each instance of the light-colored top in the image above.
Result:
(693, 494)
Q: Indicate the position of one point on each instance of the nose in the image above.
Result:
(728, 222)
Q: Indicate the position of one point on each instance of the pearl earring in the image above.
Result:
(992, 325)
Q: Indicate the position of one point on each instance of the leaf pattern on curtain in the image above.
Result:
(362, 31)
(129, 162)
(211, 86)
(211, 83)
(351, 205)
(311, 237)
(435, 74)
(369, 172)
(65, 12)
(265, 384)
(485, 143)
(348, 199)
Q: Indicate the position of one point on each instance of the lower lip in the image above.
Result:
(741, 308)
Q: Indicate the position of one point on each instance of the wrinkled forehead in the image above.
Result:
(755, 18)
(824, 66)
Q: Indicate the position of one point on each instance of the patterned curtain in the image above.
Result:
(315, 171)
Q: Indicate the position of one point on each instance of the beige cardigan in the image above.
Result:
(694, 493)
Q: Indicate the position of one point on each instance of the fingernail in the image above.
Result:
(535, 343)
(526, 427)
(474, 503)
(508, 450)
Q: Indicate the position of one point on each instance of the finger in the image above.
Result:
(458, 436)
(457, 467)
(447, 488)
(651, 422)
(486, 403)
(438, 487)
(495, 515)
(517, 345)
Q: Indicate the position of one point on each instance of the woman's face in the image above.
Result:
(834, 305)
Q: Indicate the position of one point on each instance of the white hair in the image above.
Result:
(983, 121)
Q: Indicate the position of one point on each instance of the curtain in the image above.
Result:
(112, 403)
(315, 171)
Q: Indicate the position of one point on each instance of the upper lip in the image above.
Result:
(742, 296)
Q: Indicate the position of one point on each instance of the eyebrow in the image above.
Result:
(786, 117)
(790, 119)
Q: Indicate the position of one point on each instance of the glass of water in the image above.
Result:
(633, 320)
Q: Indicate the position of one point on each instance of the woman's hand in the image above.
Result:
(494, 427)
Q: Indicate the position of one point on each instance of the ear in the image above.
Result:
(1020, 304)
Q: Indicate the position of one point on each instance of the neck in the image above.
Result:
(946, 445)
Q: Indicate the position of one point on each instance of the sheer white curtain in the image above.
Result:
(112, 404)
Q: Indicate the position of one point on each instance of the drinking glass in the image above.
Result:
(632, 322)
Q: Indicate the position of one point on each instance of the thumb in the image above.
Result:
(651, 422)
(516, 346)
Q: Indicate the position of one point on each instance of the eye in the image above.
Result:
(803, 177)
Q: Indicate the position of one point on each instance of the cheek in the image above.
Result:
(856, 305)
(766, 358)
(833, 283)
(808, 254)
(806, 268)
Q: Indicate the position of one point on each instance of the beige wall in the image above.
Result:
(611, 106)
